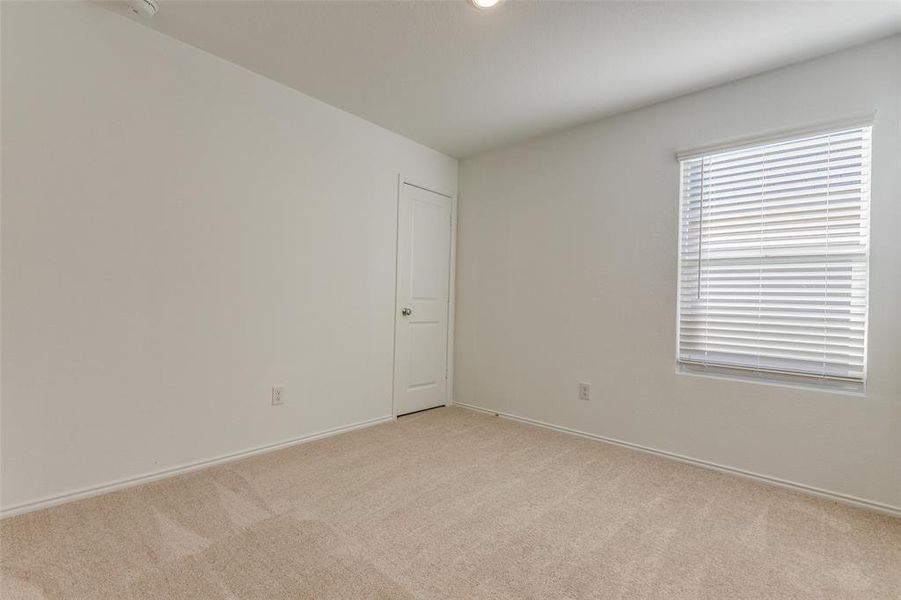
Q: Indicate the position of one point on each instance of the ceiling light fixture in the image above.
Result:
(484, 4)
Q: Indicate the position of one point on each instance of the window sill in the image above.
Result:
(774, 379)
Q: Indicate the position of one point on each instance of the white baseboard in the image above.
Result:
(47, 502)
(888, 509)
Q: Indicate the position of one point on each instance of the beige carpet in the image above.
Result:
(452, 504)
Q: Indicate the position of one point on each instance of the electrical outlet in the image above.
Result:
(278, 397)
(584, 391)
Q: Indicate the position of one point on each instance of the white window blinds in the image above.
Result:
(773, 256)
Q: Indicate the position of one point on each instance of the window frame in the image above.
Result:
(789, 379)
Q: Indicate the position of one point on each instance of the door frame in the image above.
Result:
(452, 276)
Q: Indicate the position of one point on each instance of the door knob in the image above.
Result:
(406, 312)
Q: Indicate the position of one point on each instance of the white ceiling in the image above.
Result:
(463, 81)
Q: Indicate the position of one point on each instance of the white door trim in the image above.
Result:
(452, 276)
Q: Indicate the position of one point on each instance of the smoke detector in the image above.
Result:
(143, 8)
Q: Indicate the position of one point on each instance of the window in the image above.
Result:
(773, 253)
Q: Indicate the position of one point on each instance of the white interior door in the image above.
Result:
(423, 283)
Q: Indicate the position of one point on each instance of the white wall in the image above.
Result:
(178, 235)
(566, 272)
